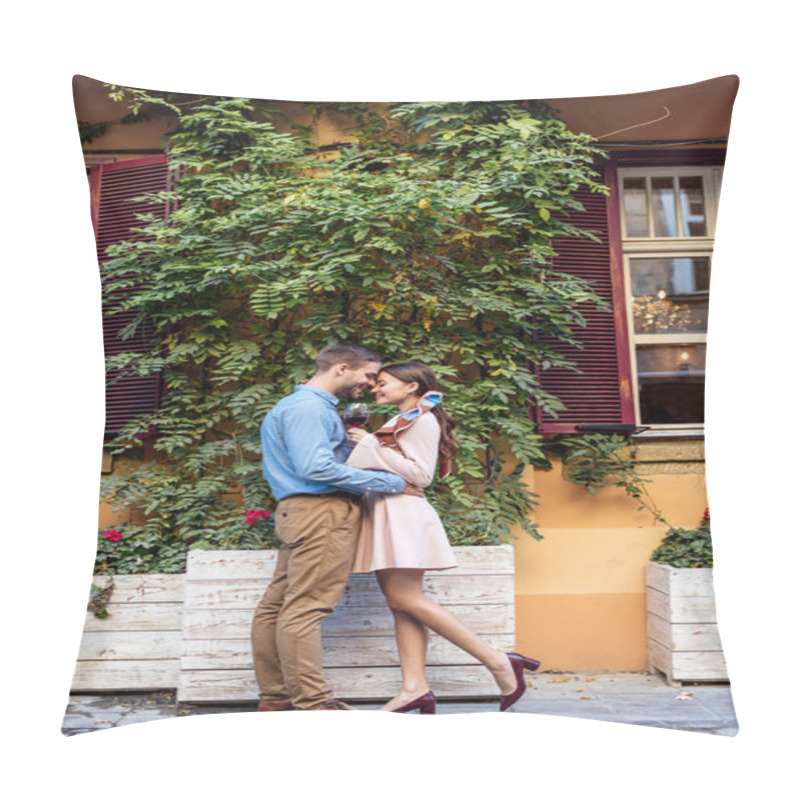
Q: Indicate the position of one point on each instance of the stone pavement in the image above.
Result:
(634, 698)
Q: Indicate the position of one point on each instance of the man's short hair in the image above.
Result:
(354, 355)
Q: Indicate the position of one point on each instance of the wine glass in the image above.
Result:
(356, 415)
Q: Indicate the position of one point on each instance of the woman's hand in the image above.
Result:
(414, 491)
(355, 435)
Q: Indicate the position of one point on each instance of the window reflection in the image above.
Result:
(670, 295)
(671, 383)
(663, 200)
(635, 202)
(693, 207)
(674, 206)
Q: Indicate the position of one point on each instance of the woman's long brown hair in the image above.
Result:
(415, 372)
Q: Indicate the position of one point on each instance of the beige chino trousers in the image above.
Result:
(318, 536)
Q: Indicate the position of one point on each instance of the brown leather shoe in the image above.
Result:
(274, 705)
(333, 705)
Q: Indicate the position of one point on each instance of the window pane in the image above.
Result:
(670, 295)
(693, 207)
(634, 192)
(671, 383)
(664, 219)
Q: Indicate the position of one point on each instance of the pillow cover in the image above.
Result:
(549, 259)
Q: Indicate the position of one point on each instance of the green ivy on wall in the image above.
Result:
(428, 238)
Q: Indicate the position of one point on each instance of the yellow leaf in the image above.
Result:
(423, 203)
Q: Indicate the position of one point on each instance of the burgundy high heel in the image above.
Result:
(519, 664)
(425, 703)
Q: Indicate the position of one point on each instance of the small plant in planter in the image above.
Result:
(683, 547)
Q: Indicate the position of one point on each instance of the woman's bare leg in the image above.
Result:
(412, 644)
(403, 591)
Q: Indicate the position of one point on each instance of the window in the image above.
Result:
(668, 216)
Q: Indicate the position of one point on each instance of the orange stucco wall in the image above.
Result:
(580, 590)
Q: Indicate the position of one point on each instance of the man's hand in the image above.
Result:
(413, 491)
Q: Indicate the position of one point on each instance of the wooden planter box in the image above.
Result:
(359, 653)
(192, 632)
(683, 641)
(137, 647)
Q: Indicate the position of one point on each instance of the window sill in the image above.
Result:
(669, 433)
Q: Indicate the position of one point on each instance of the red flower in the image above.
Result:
(112, 535)
(253, 515)
(707, 515)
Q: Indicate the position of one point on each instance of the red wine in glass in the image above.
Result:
(356, 415)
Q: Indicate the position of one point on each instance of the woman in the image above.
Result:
(402, 536)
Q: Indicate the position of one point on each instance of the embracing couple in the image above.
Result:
(352, 502)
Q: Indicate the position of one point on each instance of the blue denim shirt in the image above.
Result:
(304, 447)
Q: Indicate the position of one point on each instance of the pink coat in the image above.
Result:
(402, 531)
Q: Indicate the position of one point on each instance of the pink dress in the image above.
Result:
(402, 531)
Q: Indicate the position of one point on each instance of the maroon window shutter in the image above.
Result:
(600, 396)
(111, 188)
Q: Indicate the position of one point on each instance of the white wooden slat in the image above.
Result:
(658, 657)
(360, 591)
(141, 676)
(691, 583)
(681, 609)
(687, 666)
(137, 617)
(656, 576)
(230, 564)
(338, 651)
(684, 636)
(705, 666)
(693, 609)
(235, 623)
(243, 564)
(146, 588)
(129, 645)
(679, 582)
(225, 686)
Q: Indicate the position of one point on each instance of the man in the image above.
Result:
(304, 446)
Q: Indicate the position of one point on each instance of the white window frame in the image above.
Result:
(666, 247)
